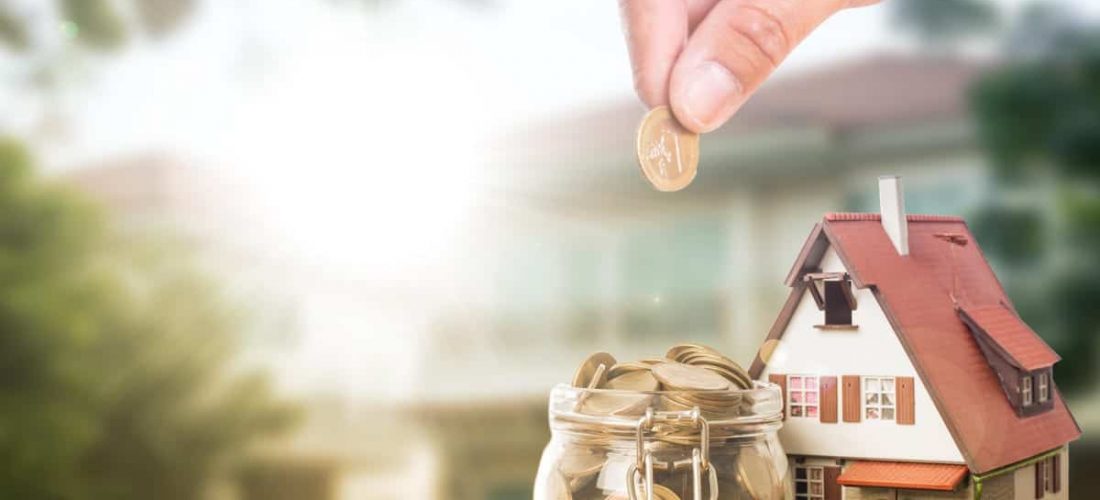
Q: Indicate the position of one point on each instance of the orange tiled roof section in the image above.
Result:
(905, 475)
(1013, 336)
(916, 293)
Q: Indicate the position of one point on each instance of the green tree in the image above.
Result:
(116, 373)
(941, 23)
(96, 24)
(1039, 117)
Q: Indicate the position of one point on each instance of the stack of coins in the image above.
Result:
(689, 376)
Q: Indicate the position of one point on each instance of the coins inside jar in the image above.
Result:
(689, 377)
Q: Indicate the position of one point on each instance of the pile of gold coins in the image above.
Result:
(593, 462)
(689, 376)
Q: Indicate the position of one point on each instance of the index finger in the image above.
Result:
(656, 31)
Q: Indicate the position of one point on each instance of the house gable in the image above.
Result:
(870, 349)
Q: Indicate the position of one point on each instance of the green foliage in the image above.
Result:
(1014, 234)
(160, 17)
(944, 21)
(1039, 116)
(115, 357)
(12, 31)
(97, 22)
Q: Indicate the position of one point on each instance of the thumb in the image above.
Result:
(733, 50)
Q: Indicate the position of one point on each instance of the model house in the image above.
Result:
(907, 372)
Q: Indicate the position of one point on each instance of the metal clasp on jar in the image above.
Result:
(700, 456)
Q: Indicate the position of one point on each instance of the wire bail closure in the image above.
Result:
(700, 456)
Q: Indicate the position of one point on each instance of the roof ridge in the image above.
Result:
(867, 216)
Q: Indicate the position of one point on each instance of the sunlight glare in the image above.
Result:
(372, 172)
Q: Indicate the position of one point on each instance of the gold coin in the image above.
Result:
(678, 376)
(639, 381)
(667, 152)
(588, 370)
(755, 474)
(626, 367)
(602, 403)
(663, 493)
(710, 358)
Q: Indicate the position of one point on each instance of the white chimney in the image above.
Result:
(891, 202)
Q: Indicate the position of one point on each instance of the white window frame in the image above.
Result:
(1048, 474)
(1044, 387)
(882, 393)
(1026, 396)
(809, 480)
(802, 408)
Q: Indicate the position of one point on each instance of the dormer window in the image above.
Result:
(833, 294)
(1023, 362)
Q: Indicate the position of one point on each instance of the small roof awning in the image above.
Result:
(1019, 342)
(903, 475)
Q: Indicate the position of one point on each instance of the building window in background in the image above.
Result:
(673, 278)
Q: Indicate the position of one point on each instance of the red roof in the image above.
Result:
(905, 475)
(1018, 342)
(915, 293)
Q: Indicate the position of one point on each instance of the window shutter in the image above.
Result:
(907, 411)
(851, 398)
(780, 380)
(832, 484)
(1056, 473)
(827, 399)
(1039, 478)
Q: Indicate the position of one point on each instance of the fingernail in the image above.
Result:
(709, 96)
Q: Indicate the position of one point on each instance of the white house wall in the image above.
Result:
(872, 349)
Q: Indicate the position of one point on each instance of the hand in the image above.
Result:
(704, 58)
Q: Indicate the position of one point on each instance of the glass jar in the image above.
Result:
(651, 445)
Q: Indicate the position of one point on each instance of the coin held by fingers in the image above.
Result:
(667, 152)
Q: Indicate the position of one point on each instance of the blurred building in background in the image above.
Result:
(568, 259)
(420, 300)
(571, 259)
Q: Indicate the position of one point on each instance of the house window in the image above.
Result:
(833, 294)
(838, 309)
(809, 483)
(1025, 390)
(879, 398)
(1044, 388)
(802, 392)
(1046, 473)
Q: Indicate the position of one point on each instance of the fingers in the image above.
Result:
(733, 50)
(656, 31)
